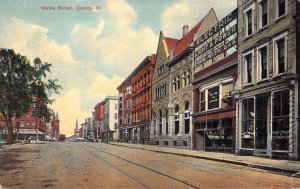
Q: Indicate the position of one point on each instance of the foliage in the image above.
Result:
(23, 85)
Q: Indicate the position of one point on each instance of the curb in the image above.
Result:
(276, 170)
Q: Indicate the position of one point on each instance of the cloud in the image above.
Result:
(68, 108)
(189, 12)
(123, 47)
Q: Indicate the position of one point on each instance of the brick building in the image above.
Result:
(99, 115)
(135, 103)
(142, 99)
(268, 92)
(215, 66)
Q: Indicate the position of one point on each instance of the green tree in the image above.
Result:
(23, 85)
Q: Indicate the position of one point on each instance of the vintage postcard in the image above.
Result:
(149, 94)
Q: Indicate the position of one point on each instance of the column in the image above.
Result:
(171, 126)
(164, 126)
(181, 124)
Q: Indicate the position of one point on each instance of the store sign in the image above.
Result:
(213, 98)
(220, 38)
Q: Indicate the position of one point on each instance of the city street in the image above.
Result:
(97, 165)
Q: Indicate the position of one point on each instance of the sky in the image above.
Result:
(93, 51)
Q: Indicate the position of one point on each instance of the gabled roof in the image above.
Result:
(185, 41)
(171, 42)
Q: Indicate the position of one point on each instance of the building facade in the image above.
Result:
(55, 127)
(141, 79)
(160, 92)
(268, 76)
(125, 111)
(215, 66)
(110, 119)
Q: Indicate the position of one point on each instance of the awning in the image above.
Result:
(30, 132)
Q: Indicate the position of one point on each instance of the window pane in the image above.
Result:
(264, 61)
(281, 55)
(226, 98)
(248, 59)
(249, 19)
(247, 131)
(281, 7)
(202, 101)
(264, 5)
(213, 97)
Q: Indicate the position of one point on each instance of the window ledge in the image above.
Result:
(275, 76)
(262, 80)
(278, 19)
(248, 85)
(261, 29)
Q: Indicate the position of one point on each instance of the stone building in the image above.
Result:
(110, 118)
(173, 119)
(268, 76)
(160, 90)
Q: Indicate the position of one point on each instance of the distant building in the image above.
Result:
(110, 119)
(55, 127)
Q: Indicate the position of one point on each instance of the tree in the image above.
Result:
(23, 85)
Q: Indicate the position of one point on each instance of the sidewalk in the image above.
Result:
(280, 166)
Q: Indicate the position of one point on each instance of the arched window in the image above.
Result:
(160, 122)
(174, 84)
(187, 117)
(184, 79)
(176, 120)
(178, 82)
(188, 77)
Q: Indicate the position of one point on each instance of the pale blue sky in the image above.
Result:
(92, 52)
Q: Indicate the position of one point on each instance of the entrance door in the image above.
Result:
(261, 121)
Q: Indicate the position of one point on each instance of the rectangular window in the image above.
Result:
(116, 116)
(263, 62)
(187, 122)
(202, 101)
(249, 22)
(227, 88)
(281, 55)
(247, 130)
(248, 68)
(263, 13)
(176, 124)
(280, 120)
(21, 123)
(33, 124)
(213, 98)
(281, 8)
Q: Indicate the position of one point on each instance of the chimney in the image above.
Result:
(185, 30)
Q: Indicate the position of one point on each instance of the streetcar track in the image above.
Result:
(147, 168)
(120, 170)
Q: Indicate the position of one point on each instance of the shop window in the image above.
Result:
(280, 120)
(187, 118)
(202, 101)
(176, 120)
(166, 143)
(213, 98)
(247, 130)
(174, 143)
(262, 62)
(280, 54)
(281, 8)
(184, 143)
(263, 13)
(261, 121)
(248, 68)
(227, 88)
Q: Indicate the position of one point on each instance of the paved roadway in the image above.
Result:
(95, 165)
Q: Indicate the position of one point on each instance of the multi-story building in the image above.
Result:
(160, 92)
(215, 66)
(142, 99)
(99, 115)
(173, 120)
(125, 111)
(268, 76)
(110, 119)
